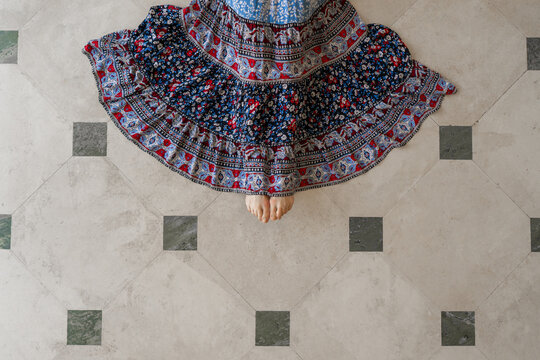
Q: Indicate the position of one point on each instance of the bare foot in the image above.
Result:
(259, 205)
(280, 205)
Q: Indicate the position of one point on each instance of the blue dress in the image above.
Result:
(263, 97)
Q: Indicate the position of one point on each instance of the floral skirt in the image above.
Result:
(260, 108)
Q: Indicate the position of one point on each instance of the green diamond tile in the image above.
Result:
(179, 233)
(457, 328)
(535, 234)
(272, 328)
(455, 142)
(365, 234)
(89, 139)
(84, 327)
(5, 231)
(8, 47)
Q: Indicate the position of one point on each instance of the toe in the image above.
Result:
(280, 212)
(266, 213)
(273, 211)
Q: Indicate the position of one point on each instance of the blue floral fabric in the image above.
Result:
(275, 11)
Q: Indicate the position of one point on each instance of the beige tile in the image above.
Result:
(33, 324)
(456, 235)
(271, 353)
(524, 14)
(179, 308)
(375, 192)
(86, 352)
(34, 141)
(272, 265)
(508, 321)
(363, 310)
(14, 14)
(84, 233)
(166, 190)
(149, 3)
(381, 12)
(472, 45)
(63, 73)
(506, 146)
(458, 352)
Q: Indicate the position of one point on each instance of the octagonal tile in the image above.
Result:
(457, 352)
(163, 188)
(508, 321)
(85, 234)
(381, 12)
(506, 143)
(14, 14)
(456, 235)
(375, 192)
(24, 301)
(524, 14)
(271, 353)
(149, 3)
(63, 72)
(70, 352)
(178, 308)
(362, 309)
(34, 141)
(460, 39)
(273, 264)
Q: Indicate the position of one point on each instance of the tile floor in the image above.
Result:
(433, 254)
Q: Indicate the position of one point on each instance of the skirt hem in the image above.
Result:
(302, 187)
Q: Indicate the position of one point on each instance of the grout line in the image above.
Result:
(211, 202)
(64, 305)
(132, 187)
(413, 185)
(404, 12)
(293, 348)
(334, 202)
(225, 279)
(480, 303)
(44, 95)
(490, 2)
(397, 271)
(41, 185)
(130, 281)
(22, 26)
(480, 351)
(500, 188)
(499, 98)
(308, 291)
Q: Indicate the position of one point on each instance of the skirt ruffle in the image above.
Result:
(230, 133)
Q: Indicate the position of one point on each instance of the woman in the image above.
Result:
(264, 98)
